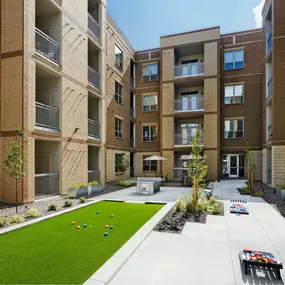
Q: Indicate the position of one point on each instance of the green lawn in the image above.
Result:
(54, 252)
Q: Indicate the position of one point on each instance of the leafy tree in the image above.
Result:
(251, 168)
(197, 168)
(14, 165)
(121, 163)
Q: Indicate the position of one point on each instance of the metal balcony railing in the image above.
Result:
(269, 133)
(269, 42)
(184, 140)
(132, 112)
(193, 103)
(94, 77)
(93, 129)
(47, 184)
(93, 175)
(191, 69)
(47, 46)
(269, 87)
(47, 116)
(94, 27)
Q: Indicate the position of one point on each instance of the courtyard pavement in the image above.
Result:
(206, 254)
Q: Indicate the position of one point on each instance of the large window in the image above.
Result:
(234, 94)
(234, 129)
(150, 72)
(149, 165)
(119, 57)
(150, 133)
(234, 59)
(118, 92)
(149, 103)
(118, 128)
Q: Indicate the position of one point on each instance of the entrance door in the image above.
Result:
(233, 165)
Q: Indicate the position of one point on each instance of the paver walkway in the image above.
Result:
(207, 254)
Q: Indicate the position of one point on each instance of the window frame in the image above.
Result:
(235, 127)
(149, 75)
(119, 97)
(119, 132)
(150, 105)
(234, 62)
(234, 85)
(149, 164)
(149, 136)
(119, 62)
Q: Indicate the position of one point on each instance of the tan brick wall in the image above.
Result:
(210, 130)
(167, 132)
(211, 58)
(264, 169)
(212, 162)
(168, 165)
(211, 95)
(278, 162)
(167, 98)
(138, 163)
(110, 165)
(257, 158)
(168, 65)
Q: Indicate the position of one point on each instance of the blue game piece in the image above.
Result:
(105, 234)
(85, 226)
(97, 212)
(111, 227)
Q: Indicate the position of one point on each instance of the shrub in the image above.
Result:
(216, 209)
(33, 213)
(245, 190)
(67, 203)
(181, 204)
(82, 200)
(52, 207)
(212, 201)
(124, 183)
(280, 186)
(3, 222)
(17, 220)
(190, 205)
(80, 185)
(258, 194)
(93, 183)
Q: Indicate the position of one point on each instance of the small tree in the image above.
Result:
(251, 168)
(14, 165)
(122, 164)
(197, 168)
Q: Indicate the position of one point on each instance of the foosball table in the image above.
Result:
(260, 258)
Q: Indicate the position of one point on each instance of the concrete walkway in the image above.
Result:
(206, 254)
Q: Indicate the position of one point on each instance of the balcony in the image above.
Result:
(93, 129)
(269, 87)
(269, 133)
(94, 28)
(46, 184)
(47, 46)
(93, 78)
(190, 104)
(132, 112)
(47, 116)
(93, 175)
(191, 69)
(186, 139)
(269, 43)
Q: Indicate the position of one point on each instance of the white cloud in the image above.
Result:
(257, 14)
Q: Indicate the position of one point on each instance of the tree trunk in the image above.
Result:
(195, 193)
(17, 196)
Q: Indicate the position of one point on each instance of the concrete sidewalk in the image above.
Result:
(206, 254)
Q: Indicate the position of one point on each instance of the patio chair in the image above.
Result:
(209, 189)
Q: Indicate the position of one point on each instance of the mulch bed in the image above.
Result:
(174, 222)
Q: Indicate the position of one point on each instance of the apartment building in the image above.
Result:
(84, 96)
(273, 171)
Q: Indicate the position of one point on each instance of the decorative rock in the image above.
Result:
(105, 234)
(107, 227)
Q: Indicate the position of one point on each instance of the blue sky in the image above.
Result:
(144, 21)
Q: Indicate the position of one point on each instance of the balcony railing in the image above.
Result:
(47, 184)
(184, 140)
(269, 132)
(269, 42)
(93, 77)
(47, 46)
(94, 27)
(132, 112)
(93, 129)
(191, 69)
(47, 116)
(132, 142)
(193, 103)
(269, 87)
(93, 175)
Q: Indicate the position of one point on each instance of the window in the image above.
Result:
(234, 129)
(150, 72)
(117, 157)
(118, 57)
(118, 92)
(150, 133)
(234, 94)
(234, 59)
(149, 165)
(118, 128)
(149, 103)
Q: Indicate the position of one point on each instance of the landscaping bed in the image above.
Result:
(63, 255)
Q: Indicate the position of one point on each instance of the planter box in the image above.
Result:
(94, 189)
(78, 192)
(280, 193)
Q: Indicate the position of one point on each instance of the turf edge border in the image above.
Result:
(106, 273)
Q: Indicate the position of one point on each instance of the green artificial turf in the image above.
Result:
(54, 252)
